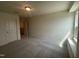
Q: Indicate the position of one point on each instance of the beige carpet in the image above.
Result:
(33, 48)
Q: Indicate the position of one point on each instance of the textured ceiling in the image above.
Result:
(38, 7)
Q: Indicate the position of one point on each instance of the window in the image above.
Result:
(75, 27)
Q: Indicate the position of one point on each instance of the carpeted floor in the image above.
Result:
(33, 48)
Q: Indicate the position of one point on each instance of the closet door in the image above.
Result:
(3, 30)
(8, 28)
(12, 28)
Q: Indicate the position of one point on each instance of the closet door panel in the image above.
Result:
(3, 30)
(12, 28)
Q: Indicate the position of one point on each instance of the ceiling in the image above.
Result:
(38, 7)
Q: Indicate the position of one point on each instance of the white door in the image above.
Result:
(8, 28)
(12, 28)
(3, 29)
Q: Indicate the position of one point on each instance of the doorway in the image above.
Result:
(22, 27)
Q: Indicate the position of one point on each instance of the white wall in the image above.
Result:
(53, 27)
(9, 28)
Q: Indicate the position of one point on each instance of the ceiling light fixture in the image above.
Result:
(27, 8)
